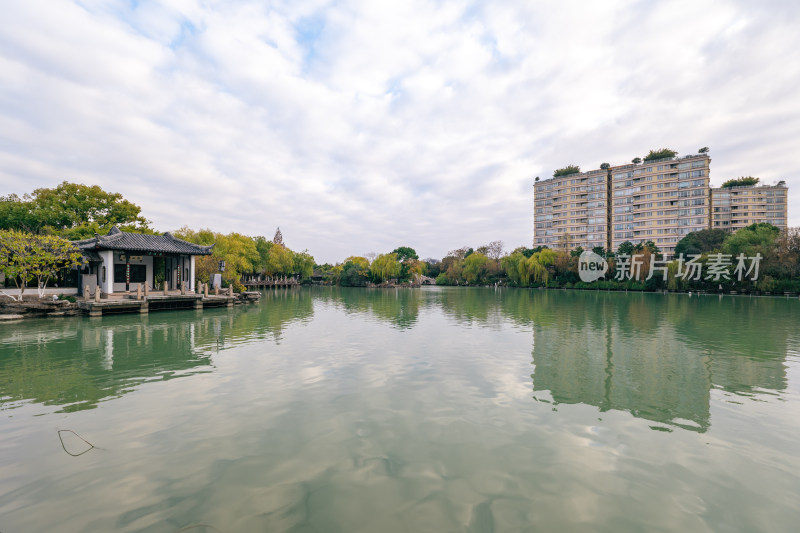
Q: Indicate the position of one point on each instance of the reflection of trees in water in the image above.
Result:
(79, 366)
(278, 308)
(77, 363)
(471, 305)
(399, 307)
(655, 356)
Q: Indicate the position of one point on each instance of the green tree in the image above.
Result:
(263, 246)
(475, 267)
(636, 160)
(743, 181)
(385, 267)
(756, 238)
(413, 268)
(510, 265)
(363, 262)
(56, 254)
(409, 260)
(451, 269)
(16, 213)
(625, 248)
(605, 166)
(204, 237)
(527, 252)
(205, 265)
(534, 268)
(239, 253)
(71, 210)
(26, 256)
(784, 262)
(567, 170)
(303, 263)
(433, 267)
(703, 150)
(700, 242)
(280, 261)
(650, 246)
(353, 274)
(404, 253)
(537, 265)
(664, 153)
(546, 257)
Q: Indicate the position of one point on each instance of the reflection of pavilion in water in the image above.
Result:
(660, 375)
(77, 364)
(78, 368)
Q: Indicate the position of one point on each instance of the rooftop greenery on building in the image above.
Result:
(654, 156)
(567, 170)
(664, 153)
(743, 181)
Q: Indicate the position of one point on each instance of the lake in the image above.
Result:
(434, 409)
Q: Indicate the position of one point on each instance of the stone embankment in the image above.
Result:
(33, 307)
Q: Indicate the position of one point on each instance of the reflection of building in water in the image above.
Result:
(654, 378)
(621, 355)
(748, 374)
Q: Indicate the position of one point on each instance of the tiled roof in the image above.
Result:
(136, 242)
(90, 255)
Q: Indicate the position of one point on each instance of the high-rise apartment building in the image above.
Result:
(661, 200)
(733, 208)
(571, 211)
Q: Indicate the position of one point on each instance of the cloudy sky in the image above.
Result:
(362, 126)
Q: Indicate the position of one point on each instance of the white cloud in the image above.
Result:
(362, 126)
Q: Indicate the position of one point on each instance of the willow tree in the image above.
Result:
(384, 267)
(303, 263)
(536, 269)
(510, 264)
(475, 267)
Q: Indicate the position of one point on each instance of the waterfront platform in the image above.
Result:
(129, 303)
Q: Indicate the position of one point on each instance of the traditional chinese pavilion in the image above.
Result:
(118, 261)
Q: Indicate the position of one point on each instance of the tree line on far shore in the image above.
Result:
(39, 225)
(714, 256)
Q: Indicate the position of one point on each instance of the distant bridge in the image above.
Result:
(269, 281)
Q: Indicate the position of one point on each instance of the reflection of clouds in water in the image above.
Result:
(312, 374)
(356, 424)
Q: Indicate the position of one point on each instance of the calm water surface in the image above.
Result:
(413, 410)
